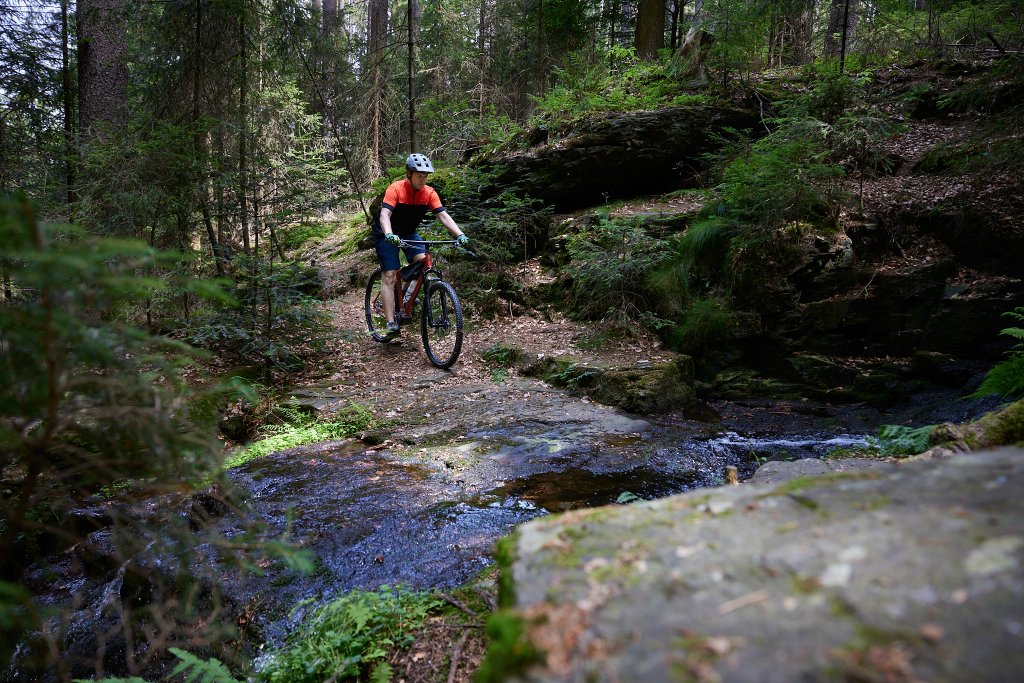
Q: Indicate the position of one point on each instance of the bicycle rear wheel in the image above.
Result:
(376, 322)
(441, 324)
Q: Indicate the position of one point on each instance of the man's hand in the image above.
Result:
(392, 238)
(462, 240)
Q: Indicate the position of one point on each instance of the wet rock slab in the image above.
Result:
(913, 571)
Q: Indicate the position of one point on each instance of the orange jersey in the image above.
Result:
(409, 206)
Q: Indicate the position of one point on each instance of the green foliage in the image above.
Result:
(611, 264)
(350, 637)
(899, 440)
(277, 320)
(17, 615)
(570, 375)
(92, 406)
(303, 234)
(82, 387)
(506, 229)
(830, 97)
(705, 324)
(303, 429)
(196, 670)
(502, 354)
(509, 651)
(587, 85)
(785, 178)
(627, 497)
(192, 669)
(1007, 377)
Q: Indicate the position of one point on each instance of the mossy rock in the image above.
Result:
(1003, 427)
(637, 388)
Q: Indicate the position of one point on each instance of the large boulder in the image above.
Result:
(588, 161)
(643, 387)
(899, 573)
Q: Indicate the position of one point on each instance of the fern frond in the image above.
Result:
(1015, 332)
(1005, 379)
(201, 670)
(901, 440)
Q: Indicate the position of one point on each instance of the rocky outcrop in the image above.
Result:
(1003, 426)
(899, 573)
(642, 387)
(591, 160)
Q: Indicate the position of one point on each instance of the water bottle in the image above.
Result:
(409, 290)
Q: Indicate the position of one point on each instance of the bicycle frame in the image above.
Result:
(404, 308)
(440, 312)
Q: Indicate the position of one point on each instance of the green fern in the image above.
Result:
(900, 440)
(201, 670)
(350, 637)
(1007, 377)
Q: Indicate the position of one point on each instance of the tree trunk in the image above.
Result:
(199, 144)
(378, 24)
(650, 28)
(677, 14)
(412, 19)
(69, 106)
(481, 47)
(330, 18)
(690, 48)
(840, 38)
(102, 66)
(243, 124)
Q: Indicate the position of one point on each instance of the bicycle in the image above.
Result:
(440, 308)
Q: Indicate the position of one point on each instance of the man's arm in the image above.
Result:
(446, 220)
(385, 220)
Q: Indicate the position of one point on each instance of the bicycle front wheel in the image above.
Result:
(441, 324)
(376, 322)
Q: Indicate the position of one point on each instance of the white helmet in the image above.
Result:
(418, 162)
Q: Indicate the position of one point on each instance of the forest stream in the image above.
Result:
(425, 507)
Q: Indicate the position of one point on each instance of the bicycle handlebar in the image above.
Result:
(403, 243)
(467, 250)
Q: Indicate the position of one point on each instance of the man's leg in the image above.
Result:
(389, 263)
(387, 293)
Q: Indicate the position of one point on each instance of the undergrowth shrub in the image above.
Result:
(1007, 377)
(706, 323)
(95, 412)
(585, 84)
(349, 638)
(276, 322)
(896, 440)
(505, 230)
(611, 264)
(298, 429)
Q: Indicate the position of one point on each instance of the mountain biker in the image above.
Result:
(405, 203)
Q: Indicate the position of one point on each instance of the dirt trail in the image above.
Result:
(397, 380)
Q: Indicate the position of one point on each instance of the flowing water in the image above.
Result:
(427, 516)
(425, 512)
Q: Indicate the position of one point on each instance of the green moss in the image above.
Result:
(875, 503)
(510, 651)
(798, 484)
(1005, 427)
(803, 585)
(505, 555)
(504, 355)
(294, 237)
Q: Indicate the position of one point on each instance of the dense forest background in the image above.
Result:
(160, 160)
